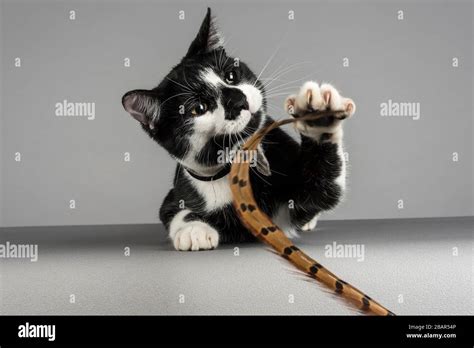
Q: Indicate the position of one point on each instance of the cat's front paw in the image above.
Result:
(195, 235)
(313, 97)
(311, 224)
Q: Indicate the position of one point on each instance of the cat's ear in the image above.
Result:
(208, 37)
(143, 105)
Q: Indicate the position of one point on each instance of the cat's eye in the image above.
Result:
(230, 77)
(199, 109)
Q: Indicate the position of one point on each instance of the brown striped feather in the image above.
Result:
(262, 227)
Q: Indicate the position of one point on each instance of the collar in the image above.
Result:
(220, 174)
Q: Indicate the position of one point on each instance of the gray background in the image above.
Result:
(82, 60)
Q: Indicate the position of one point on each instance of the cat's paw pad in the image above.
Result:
(311, 98)
(195, 235)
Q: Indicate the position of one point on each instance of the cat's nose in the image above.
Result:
(234, 101)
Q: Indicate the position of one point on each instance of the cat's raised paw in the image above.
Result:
(194, 236)
(313, 97)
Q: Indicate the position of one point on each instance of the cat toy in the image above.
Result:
(262, 227)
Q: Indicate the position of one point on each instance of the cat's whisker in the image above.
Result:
(270, 81)
(267, 78)
(259, 176)
(286, 71)
(270, 59)
(185, 80)
(283, 87)
(253, 169)
(277, 95)
(274, 107)
(179, 84)
(289, 89)
(174, 96)
(312, 75)
(280, 67)
(286, 84)
(271, 76)
(269, 88)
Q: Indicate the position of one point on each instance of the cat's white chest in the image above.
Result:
(216, 194)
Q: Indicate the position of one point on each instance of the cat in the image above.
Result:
(208, 104)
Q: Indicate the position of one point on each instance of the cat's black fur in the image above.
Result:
(303, 173)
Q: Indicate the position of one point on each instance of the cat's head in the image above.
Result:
(207, 102)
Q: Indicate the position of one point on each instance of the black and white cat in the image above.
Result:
(208, 104)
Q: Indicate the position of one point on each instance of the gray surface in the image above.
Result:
(409, 257)
(82, 60)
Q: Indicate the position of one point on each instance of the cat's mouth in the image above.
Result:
(238, 124)
(243, 110)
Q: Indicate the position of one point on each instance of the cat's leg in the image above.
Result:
(186, 229)
(321, 176)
